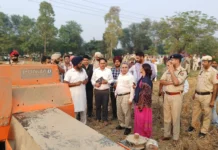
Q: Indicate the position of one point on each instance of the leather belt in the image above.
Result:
(123, 94)
(203, 93)
(174, 93)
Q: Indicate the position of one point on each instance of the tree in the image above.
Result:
(94, 46)
(36, 41)
(126, 41)
(45, 23)
(185, 30)
(70, 35)
(137, 36)
(207, 45)
(5, 32)
(23, 27)
(118, 52)
(114, 30)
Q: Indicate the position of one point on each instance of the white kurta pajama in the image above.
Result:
(78, 93)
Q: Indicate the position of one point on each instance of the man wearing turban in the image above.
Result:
(95, 62)
(76, 78)
(14, 55)
(56, 59)
(115, 71)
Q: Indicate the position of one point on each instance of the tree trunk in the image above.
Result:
(45, 46)
(111, 51)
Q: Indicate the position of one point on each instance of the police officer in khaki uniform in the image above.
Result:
(195, 63)
(173, 80)
(204, 97)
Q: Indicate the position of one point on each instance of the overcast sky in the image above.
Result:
(89, 13)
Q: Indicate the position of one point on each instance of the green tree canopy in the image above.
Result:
(137, 36)
(45, 23)
(94, 46)
(114, 30)
(186, 30)
(70, 35)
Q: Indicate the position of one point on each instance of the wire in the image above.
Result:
(68, 9)
(100, 4)
(134, 17)
(78, 11)
(93, 9)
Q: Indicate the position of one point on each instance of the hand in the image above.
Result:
(134, 86)
(115, 85)
(85, 81)
(193, 97)
(78, 83)
(170, 68)
(160, 93)
(130, 102)
(97, 85)
(211, 104)
(170, 82)
(104, 82)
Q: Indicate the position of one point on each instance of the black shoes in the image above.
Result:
(127, 131)
(90, 115)
(119, 128)
(191, 129)
(201, 135)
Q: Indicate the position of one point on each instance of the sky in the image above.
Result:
(90, 13)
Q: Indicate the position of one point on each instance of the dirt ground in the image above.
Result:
(186, 142)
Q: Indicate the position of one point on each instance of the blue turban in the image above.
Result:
(76, 60)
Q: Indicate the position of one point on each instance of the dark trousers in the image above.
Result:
(101, 100)
(114, 105)
(89, 96)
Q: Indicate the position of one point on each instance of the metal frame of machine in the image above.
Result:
(32, 89)
(26, 88)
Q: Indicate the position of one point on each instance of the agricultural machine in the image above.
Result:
(37, 113)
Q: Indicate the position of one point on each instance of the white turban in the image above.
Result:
(207, 58)
(98, 54)
(55, 56)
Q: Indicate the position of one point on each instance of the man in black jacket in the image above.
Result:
(89, 88)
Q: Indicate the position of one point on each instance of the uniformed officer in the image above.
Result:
(195, 63)
(173, 80)
(204, 96)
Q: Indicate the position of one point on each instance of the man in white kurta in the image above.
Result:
(77, 80)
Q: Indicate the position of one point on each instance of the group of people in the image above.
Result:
(204, 96)
(123, 86)
(129, 83)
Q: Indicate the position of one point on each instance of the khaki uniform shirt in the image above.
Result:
(181, 75)
(188, 60)
(195, 60)
(206, 80)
